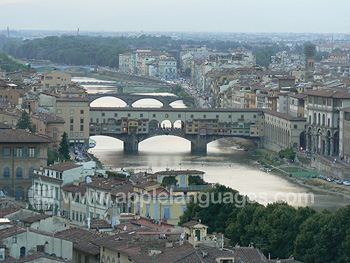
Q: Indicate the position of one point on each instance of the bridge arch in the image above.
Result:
(152, 103)
(108, 101)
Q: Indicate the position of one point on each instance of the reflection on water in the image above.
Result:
(223, 164)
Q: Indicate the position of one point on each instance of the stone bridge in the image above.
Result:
(199, 126)
(61, 68)
(129, 99)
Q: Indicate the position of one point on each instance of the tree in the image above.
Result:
(25, 122)
(52, 156)
(64, 147)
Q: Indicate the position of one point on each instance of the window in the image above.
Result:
(191, 116)
(71, 134)
(77, 134)
(138, 207)
(7, 172)
(22, 252)
(217, 116)
(72, 112)
(19, 193)
(87, 259)
(147, 210)
(204, 116)
(295, 126)
(115, 114)
(19, 152)
(59, 111)
(81, 120)
(103, 114)
(81, 127)
(141, 115)
(7, 152)
(71, 120)
(31, 171)
(81, 134)
(166, 115)
(167, 211)
(81, 111)
(71, 128)
(32, 152)
(154, 115)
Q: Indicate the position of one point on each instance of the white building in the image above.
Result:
(48, 182)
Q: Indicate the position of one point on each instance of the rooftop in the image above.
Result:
(35, 218)
(81, 239)
(22, 136)
(61, 167)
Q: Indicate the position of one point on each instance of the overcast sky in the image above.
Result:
(318, 16)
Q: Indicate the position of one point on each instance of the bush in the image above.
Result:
(115, 174)
(287, 153)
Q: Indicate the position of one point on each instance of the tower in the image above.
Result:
(309, 61)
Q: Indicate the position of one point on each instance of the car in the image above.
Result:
(346, 183)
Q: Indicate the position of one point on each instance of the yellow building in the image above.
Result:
(133, 126)
(250, 99)
(75, 113)
(182, 177)
(158, 203)
(55, 79)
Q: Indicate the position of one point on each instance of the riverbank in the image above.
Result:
(297, 174)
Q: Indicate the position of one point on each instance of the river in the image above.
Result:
(223, 163)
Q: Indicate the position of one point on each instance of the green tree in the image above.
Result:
(306, 240)
(64, 147)
(329, 241)
(24, 122)
(221, 201)
(169, 181)
(52, 156)
(196, 180)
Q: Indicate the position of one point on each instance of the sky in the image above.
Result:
(298, 16)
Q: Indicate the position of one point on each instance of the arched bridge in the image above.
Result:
(61, 68)
(200, 126)
(129, 99)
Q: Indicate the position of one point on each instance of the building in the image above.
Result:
(100, 198)
(158, 203)
(323, 119)
(20, 153)
(297, 105)
(283, 131)
(55, 79)
(50, 125)
(48, 182)
(84, 250)
(75, 112)
(344, 134)
(181, 177)
(19, 240)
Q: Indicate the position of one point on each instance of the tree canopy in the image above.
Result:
(277, 229)
(24, 122)
(64, 147)
(9, 65)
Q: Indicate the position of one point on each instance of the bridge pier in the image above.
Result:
(131, 143)
(199, 144)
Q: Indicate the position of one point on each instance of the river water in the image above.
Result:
(223, 163)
